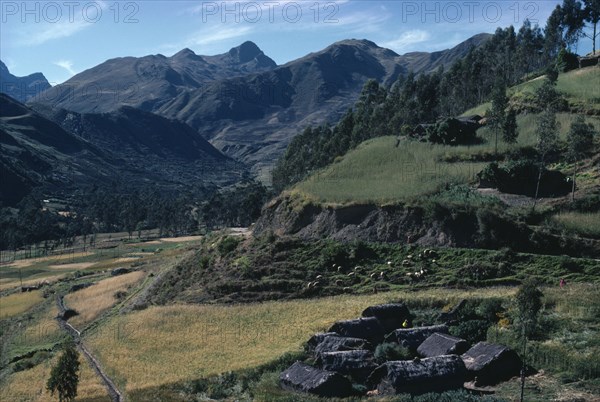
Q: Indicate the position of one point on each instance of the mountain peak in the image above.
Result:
(185, 53)
(245, 52)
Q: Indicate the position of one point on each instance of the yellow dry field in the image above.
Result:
(10, 283)
(30, 261)
(91, 302)
(73, 266)
(162, 345)
(30, 385)
(180, 239)
(18, 303)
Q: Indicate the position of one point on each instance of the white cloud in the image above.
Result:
(69, 23)
(207, 37)
(407, 40)
(202, 38)
(67, 65)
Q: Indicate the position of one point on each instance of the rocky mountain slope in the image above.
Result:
(21, 88)
(240, 101)
(148, 82)
(59, 151)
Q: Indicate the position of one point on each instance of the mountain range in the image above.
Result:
(241, 101)
(186, 121)
(127, 146)
(21, 88)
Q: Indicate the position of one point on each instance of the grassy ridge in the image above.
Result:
(581, 88)
(379, 172)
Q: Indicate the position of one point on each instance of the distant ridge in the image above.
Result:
(21, 88)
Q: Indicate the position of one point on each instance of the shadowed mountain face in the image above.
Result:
(148, 82)
(21, 88)
(247, 107)
(59, 151)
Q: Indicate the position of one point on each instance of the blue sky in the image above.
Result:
(62, 38)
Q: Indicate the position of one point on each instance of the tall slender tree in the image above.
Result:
(547, 129)
(592, 16)
(510, 130)
(579, 142)
(497, 114)
(64, 377)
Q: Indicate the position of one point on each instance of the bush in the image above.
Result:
(227, 245)
(566, 61)
(392, 351)
(520, 177)
(472, 331)
(453, 132)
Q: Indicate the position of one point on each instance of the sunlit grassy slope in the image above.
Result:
(30, 385)
(163, 345)
(18, 303)
(379, 172)
(580, 87)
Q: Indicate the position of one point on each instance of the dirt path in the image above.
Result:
(113, 391)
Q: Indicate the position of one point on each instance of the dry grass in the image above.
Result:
(11, 283)
(18, 303)
(181, 239)
(586, 224)
(162, 345)
(30, 385)
(73, 266)
(30, 261)
(91, 302)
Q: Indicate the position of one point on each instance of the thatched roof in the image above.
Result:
(438, 374)
(318, 338)
(452, 315)
(337, 343)
(391, 315)
(442, 344)
(368, 328)
(491, 363)
(413, 337)
(304, 378)
(356, 363)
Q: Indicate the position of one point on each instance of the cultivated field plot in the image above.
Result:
(163, 345)
(18, 303)
(91, 302)
(30, 385)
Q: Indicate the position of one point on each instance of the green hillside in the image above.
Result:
(580, 87)
(378, 171)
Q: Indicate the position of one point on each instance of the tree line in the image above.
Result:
(115, 209)
(508, 58)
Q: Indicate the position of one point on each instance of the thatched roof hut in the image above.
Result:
(434, 374)
(337, 343)
(452, 315)
(301, 377)
(356, 363)
(391, 315)
(491, 363)
(413, 337)
(318, 338)
(368, 328)
(442, 344)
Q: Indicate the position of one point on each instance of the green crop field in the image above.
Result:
(379, 172)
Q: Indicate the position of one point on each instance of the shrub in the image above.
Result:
(520, 177)
(472, 331)
(392, 351)
(227, 245)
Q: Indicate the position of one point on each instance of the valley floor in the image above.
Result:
(165, 352)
